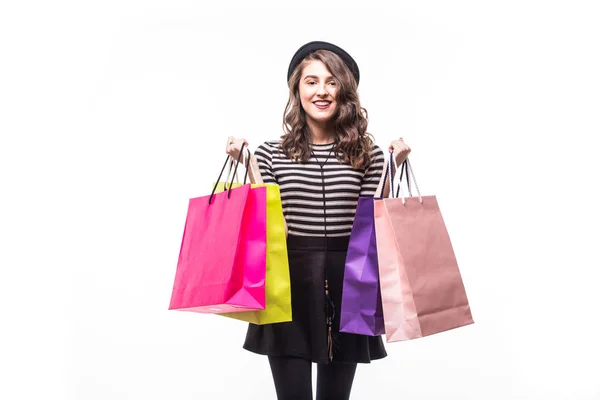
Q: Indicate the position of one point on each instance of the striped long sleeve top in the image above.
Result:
(301, 185)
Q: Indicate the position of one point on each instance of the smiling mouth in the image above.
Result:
(322, 104)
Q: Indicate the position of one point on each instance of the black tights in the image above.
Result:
(293, 379)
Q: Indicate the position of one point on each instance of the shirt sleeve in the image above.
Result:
(373, 173)
(264, 158)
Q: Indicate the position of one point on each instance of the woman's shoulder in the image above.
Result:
(375, 148)
(376, 151)
(267, 149)
(270, 145)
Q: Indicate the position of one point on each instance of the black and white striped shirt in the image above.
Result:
(302, 189)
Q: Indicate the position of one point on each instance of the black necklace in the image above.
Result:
(329, 305)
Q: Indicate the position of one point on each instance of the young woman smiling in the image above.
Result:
(322, 163)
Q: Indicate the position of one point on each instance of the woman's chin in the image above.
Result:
(320, 118)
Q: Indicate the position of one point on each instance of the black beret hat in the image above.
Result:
(311, 47)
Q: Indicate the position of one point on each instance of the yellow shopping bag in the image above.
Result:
(277, 286)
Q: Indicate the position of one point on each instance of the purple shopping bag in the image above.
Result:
(361, 310)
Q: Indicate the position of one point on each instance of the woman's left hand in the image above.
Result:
(400, 149)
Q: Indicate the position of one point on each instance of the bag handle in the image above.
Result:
(404, 168)
(388, 173)
(229, 172)
(409, 174)
(248, 165)
(402, 172)
(221, 174)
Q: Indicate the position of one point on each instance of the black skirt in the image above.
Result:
(306, 336)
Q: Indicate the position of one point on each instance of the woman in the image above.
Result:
(323, 163)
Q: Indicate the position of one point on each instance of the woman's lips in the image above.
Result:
(322, 105)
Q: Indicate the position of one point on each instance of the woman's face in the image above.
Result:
(318, 91)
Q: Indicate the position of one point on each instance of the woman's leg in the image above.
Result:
(334, 381)
(292, 377)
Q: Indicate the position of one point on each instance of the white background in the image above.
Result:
(114, 113)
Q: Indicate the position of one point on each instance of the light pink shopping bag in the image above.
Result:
(222, 259)
(422, 289)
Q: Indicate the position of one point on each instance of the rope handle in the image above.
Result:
(405, 168)
(409, 173)
(221, 174)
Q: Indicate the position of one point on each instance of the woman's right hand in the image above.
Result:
(234, 146)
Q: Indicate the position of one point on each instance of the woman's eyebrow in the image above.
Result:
(316, 77)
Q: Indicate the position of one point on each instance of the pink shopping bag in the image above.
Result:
(422, 290)
(222, 259)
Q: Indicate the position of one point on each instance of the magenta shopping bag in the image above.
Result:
(222, 259)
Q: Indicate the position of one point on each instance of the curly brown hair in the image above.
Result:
(350, 120)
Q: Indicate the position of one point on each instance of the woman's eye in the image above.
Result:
(332, 83)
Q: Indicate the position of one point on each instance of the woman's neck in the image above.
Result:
(321, 133)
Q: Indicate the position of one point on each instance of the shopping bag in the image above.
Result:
(222, 258)
(277, 286)
(361, 310)
(422, 289)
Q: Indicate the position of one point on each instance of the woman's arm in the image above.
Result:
(372, 180)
